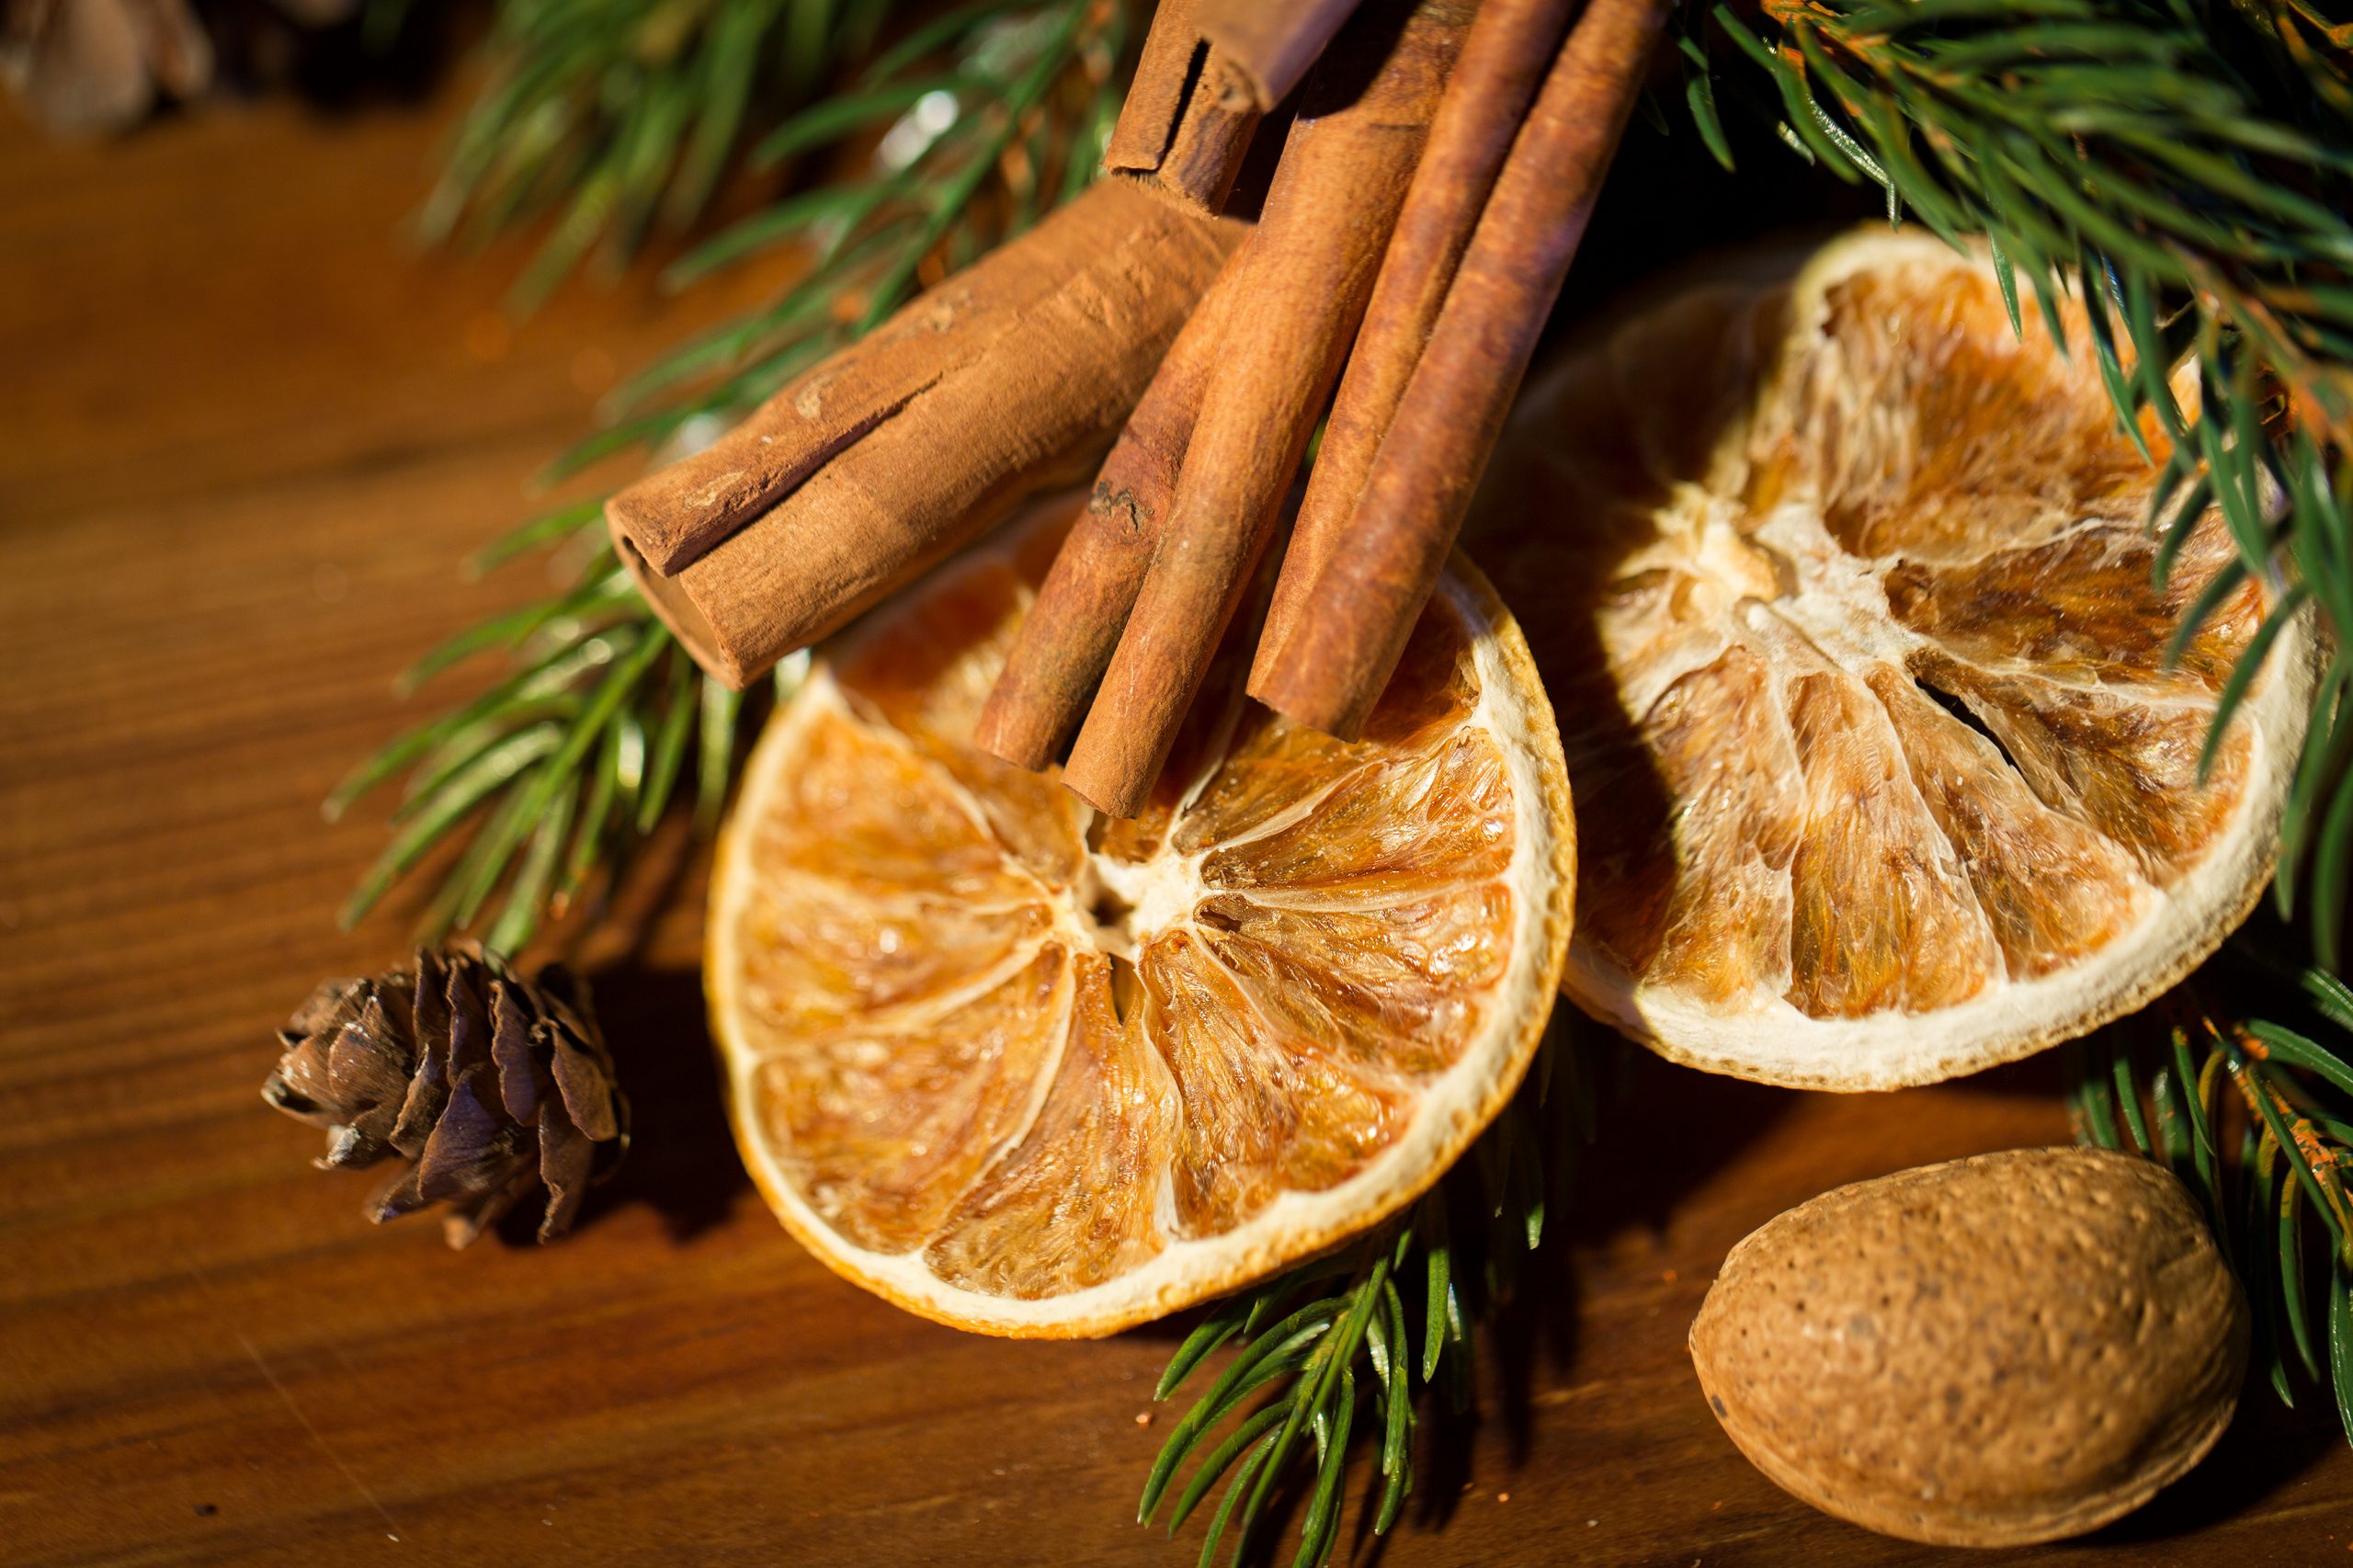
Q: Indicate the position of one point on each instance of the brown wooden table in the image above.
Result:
(245, 439)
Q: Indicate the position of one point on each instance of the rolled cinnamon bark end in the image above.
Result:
(1503, 60)
(1345, 643)
(1081, 608)
(1211, 139)
(1186, 125)
(1156, 93)
(1010, 376)
(1272, 42)
(1298, 294)
(855, 533)
(1330, 675)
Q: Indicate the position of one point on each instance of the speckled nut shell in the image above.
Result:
(2010, 1348)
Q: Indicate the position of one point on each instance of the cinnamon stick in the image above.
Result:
(1186, 124)
(1346, 642)
(1272, 43)
(1299, 294)
(1007, 377)
(1504, 61)
(1067, 637)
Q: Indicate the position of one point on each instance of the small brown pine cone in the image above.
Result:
(481, 1083)
(95, 67)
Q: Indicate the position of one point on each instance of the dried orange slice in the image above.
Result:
(1850, 618)
(1031, 1072)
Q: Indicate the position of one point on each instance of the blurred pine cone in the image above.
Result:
(485, 1084)
(95, 67)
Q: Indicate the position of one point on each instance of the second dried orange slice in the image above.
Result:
(1032, 1071)
(1883, 772)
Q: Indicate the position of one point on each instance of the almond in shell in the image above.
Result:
(2009, 1348)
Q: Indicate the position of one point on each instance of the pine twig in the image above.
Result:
(2254, 1114)
(989, 115)
(1350, 1342)
(610, 119)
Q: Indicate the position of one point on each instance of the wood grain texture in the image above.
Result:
(244, 439)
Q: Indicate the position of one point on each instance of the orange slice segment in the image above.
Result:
(1031, 1073)
(1848, 613)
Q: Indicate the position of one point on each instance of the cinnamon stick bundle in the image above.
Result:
(1067, 638)
(1007, 377)
(1345, 643)
(1299, 294)
(1186, 124)
(1504, 61)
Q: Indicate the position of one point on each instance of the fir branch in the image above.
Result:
(2184, 171)
(2254, 1114)
(1348, 1344)
(553, 777)
(1014, 128)
(608, 118)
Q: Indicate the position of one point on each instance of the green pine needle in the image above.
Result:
(2290, 1124)
(1290, 1398)
(616, 118)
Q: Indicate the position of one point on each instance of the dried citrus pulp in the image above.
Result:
(1848, 613)
(1031, 1072)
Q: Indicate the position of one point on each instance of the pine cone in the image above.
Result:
(98, 67)
(483, 1083)
(89, 67)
